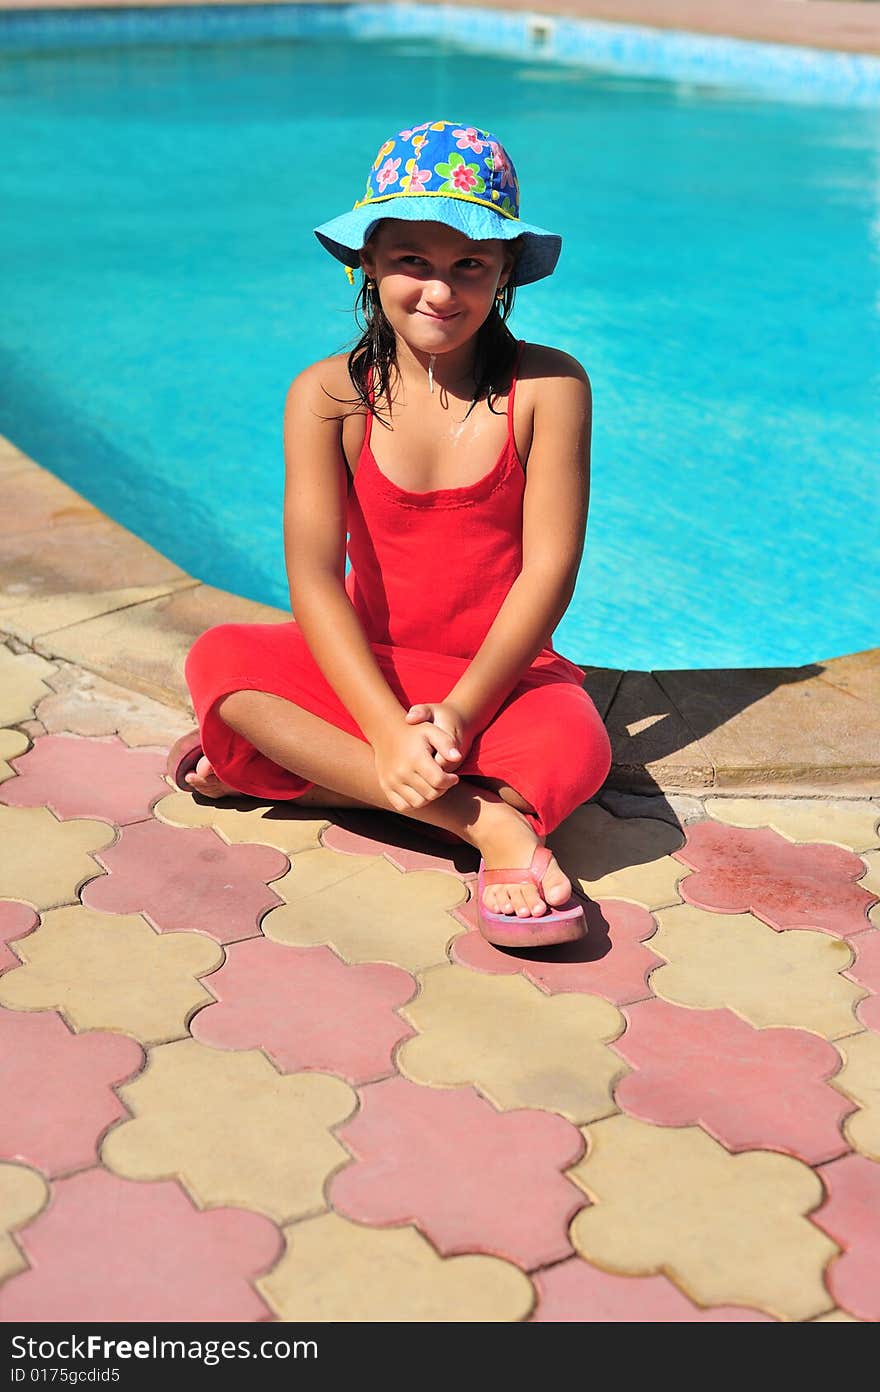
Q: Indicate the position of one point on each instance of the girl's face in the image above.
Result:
(435, 285)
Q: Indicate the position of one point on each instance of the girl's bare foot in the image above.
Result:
(506, 840)
(204, 780)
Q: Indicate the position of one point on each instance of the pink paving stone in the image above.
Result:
(16, 921)
(187, 879)
(78, 777)
(56, 1089)
(743, 869)
(575, 1292)
(752, 1089)
(470, 1178)
(866, 971)
(307, 1009)
(113, 1250)
(851, 1216)
(610, 962)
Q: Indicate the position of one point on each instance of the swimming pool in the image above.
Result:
(719, 280)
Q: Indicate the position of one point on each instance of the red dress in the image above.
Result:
(428, 574)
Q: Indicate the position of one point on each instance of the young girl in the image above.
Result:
(457, 461)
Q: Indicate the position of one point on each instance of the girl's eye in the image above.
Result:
(471, 264)
(410, 259)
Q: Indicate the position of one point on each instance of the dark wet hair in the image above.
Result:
(375, 353)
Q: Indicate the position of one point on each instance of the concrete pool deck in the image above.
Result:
(263, 1068)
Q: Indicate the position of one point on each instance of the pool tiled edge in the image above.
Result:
(634, 40)
(77, 587)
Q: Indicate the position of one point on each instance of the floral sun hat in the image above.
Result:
(444, 171)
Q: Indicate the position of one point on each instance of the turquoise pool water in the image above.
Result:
(719, 280)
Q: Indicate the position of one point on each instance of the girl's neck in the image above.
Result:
(451, 372)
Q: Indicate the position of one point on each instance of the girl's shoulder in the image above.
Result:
(540, 363)
(326, 388)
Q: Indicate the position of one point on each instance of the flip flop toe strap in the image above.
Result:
(534, 875)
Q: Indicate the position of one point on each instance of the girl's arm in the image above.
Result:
(315, 503)
(554, 528)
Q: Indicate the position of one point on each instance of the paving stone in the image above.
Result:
(702, 1201)
(12, 460)
(22, 685)
(858, 674)
(93, 968)
(107, 1250)
(750, 1089)
(45, 861)
(612, 858)
(187, 880)
(42, 502)
(678, 809)
(402, 842)
(866, 971)
(22, 1194)
(519, 1046)
(307, 1009)
(574, 1292)
(56, 1089)
(85, 704)
(652, 746)
(851, 1215)
(852, 824)
(76, 777)
(366, 910)
(12, 743)
(610, 961)
(145, 647)
(785, 726)
(739, 869)
(49, 613)
(232, 1129)
(336, 1272)
(16, 921)
(860, 1079)
(503, 1168)
(836, 1317)
(871, 880)
(240, 821)
(90, 554)
(769, 978)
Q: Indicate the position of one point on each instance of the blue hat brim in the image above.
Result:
(344, 236)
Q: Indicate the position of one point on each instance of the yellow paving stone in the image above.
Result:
(860, 1079)
(46, 861)
(620, 858)
(337, 1271)
(366, 909)
(265, 825)
(519, 1046)
(113, 972)
(851, 824)
(23, 1193)
(22, 684)
(12, 744)
(871, 880)
(232, 1129)
(769, 978)
(836, 1317)
(729, 1229)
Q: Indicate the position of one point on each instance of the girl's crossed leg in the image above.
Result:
(486, 813)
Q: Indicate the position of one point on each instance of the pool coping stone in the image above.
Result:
(842, 25)
(812, 730)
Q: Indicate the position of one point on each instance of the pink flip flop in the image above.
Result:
(564, 924)
(183, 756)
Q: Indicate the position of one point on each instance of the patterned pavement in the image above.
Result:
(259, 1066)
